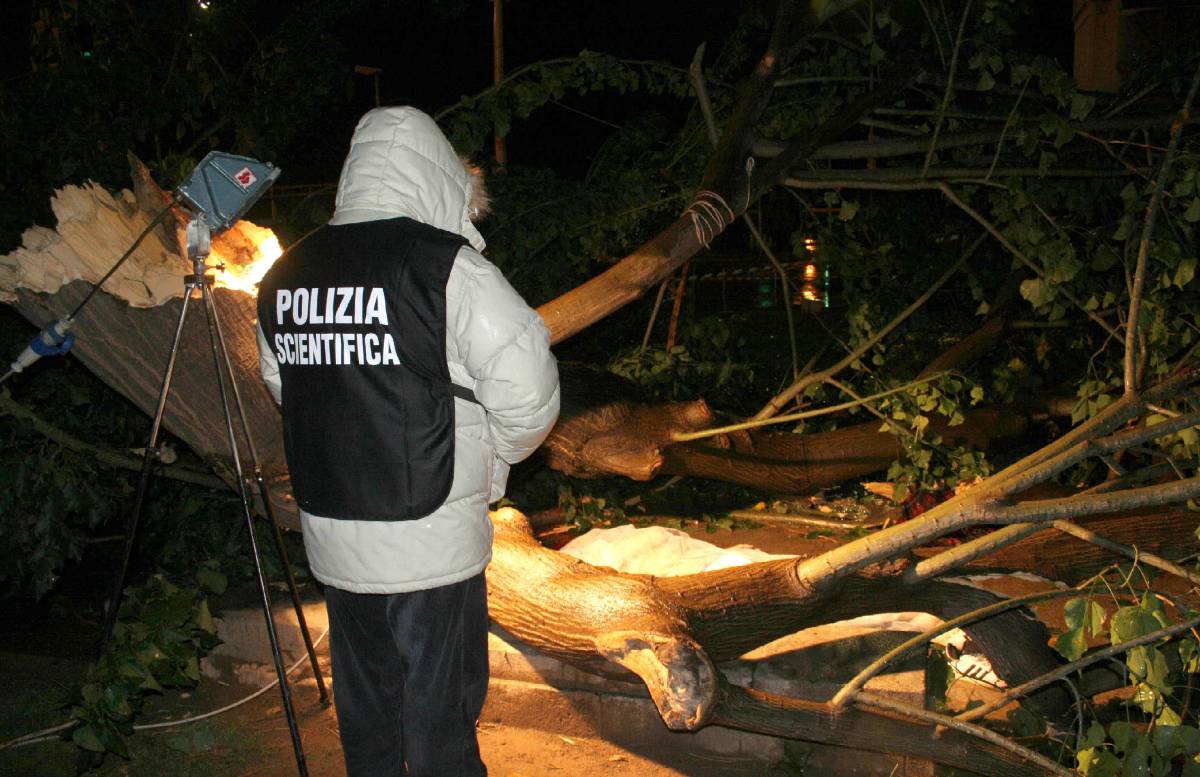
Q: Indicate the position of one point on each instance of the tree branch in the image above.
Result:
(773, 407)
(1139, 274)
(1025, 260)
(1100, 655)
(957, 724)
(10, 407)
(855, 684)
(937, 126)
(1150, 559)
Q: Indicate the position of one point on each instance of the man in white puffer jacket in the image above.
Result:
(401, 538)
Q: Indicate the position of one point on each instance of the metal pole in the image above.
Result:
(498, 72)
(268, 508)
(148, 456)
(276, 655)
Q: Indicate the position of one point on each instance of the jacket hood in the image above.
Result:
(400, 164)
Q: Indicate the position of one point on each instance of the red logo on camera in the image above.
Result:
(245, 177)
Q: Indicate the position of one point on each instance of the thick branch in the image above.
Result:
(1068, 669)
(1129, 551)
(10, 407)
(875, 729)
(1175, 492)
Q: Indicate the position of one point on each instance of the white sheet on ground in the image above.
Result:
(665, 552)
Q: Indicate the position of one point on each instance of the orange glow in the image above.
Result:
(810, 244)
(810, 272)
(247, 251)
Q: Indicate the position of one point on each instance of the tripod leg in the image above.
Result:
(131, 523)
(272, 634)
(276, 533)
(291, 582)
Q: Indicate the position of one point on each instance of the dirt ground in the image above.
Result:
(252, 740)
(41, 659)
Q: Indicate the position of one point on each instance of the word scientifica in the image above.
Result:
(342, 305)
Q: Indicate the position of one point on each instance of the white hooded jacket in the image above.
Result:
(400, 164)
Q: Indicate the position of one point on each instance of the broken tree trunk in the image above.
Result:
(608, 429)
(605, 430)
(668, 632)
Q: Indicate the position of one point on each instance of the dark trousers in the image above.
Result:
(410, 672)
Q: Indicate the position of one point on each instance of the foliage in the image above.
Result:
(706, 362)
(470, 121)
(169, 82)
(161, 634)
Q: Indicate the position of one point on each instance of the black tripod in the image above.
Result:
(198, 284)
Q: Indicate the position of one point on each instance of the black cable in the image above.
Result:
(154, 222)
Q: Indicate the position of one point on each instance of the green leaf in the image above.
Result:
(1124, 735)
(1192, 214)
(204, 618)
(114, 742)
(1185, 271)
(1131, 622)
(1071, 644)
(87, 737)
(1074, 612)
(986, 81)
(1081, 106)
(848, 210)
(1104, 258)
(1037, 291)
(212, 580)
(1095, 762)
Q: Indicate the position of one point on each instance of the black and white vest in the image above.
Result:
(356, 317)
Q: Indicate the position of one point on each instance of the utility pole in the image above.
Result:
(498, 72)
(374, 72)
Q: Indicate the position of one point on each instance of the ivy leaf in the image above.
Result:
(204, 618)
(1192, 214)
(848, 210)
(212, 580)
(1095, 762)
(986, 81)
(86, 737)
(1081, 106)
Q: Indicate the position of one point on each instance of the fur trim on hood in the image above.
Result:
(400, 164)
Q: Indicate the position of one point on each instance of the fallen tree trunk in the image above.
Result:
(669, 632)
(606, 429)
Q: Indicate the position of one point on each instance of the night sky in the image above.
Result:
(431, 58)
(433, 53)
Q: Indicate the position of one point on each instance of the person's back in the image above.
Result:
(374, 333)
